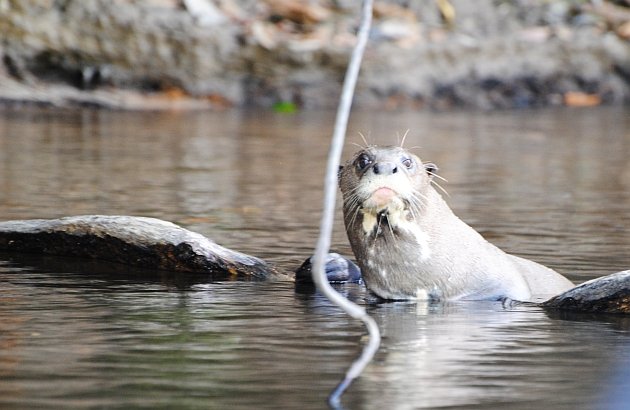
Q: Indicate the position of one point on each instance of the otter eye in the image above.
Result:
(407, 162)
(363, 162)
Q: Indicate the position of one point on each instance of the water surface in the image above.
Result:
(553, 186)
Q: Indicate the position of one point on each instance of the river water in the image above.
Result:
(550, 185)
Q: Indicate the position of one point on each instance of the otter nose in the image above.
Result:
(384, 168)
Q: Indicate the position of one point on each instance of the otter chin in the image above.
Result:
(410, 245)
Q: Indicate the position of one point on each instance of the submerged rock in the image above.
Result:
(337, 268)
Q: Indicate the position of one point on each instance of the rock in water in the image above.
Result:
(608, 294)
(138, 241)
(337, 268)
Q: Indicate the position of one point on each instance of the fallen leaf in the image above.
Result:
(580, 99)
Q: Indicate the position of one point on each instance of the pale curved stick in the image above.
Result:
(330, 189)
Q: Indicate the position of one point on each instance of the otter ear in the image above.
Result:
(339, 172)
(431, 169)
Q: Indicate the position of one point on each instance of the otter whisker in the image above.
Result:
(352, 192)
(441, 189)
(355, 207)
(413, 211)
(415, 207)
(419, 199)
(437, 176)
(367, 144)
(354, 217)
(420, 196)
(351, 205)
(389, 225)
(402, 143)
(412, 207)
(378, 229)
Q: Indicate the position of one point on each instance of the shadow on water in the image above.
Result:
(553, 186)
(86, 270)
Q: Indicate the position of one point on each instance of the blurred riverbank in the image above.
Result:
(284, 54)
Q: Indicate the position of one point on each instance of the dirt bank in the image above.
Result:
(149, 54)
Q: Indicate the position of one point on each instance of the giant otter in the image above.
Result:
(410, 245)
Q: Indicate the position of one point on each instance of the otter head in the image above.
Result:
(384, 182)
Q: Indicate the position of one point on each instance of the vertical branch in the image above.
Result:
(330, 189)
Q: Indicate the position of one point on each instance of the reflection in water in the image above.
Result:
(551, 185)
(482, 355)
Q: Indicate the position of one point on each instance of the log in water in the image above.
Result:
(608, 294)
(137, 241)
